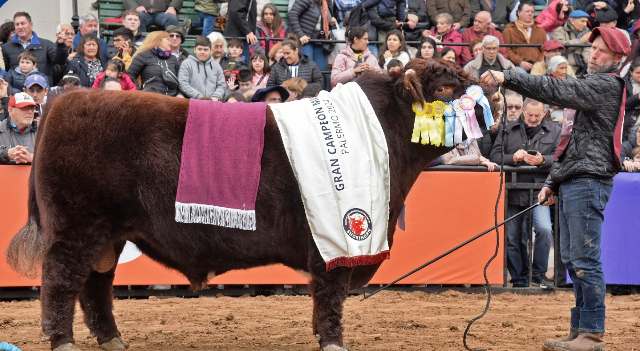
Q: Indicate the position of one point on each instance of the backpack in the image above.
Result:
(357, 17)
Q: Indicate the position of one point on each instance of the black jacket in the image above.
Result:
(304, 15)
(79, 66)
(307, 70)
(545, 142)
(47, 52)
(597, 99)
(379, 22)
(147, 65)
(486, 143)
(418, 8)
(237, 24)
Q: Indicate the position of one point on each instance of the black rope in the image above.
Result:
(495, 217)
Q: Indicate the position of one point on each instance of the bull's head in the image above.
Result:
(431, 80)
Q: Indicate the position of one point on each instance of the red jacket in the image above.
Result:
(125, 81)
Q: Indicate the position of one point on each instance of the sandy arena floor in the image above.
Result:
(389, 321)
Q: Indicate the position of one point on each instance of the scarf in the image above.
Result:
(530, 131)
(325, 18)
(522, 27)
(161, 53)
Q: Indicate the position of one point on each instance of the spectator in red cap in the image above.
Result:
(550, 48)
(582, 174)
(18, 131)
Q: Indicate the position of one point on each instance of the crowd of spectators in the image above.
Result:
(237, 66)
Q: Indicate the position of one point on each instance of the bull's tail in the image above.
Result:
(26, 249)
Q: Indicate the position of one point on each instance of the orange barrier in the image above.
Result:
(443, 210)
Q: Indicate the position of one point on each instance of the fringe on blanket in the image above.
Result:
(357, 260)
(214, 215)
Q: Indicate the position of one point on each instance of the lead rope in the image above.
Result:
(495, 217)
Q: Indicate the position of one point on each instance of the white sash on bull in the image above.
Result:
(339, 155)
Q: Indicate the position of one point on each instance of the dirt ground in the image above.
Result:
(389, 321)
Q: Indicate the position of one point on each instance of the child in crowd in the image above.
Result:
(27, 62)
(115, 69)
(260, 68)
(110, 83)
(275, 54)
(235, 97)
(234, 60)
(294, 86)
(394, 66)
(245, 82)
(201, 76)
(69, 82)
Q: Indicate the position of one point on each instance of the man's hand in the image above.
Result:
(171, 11)
(4, 89)
(599, 5)
(526, 65)
(251, 38)
(457, 26)
(61, 37)
(585, 37)
(488, 79)
(126, 48)
(333, 21)
(304, 39)
(536, 160)
(519, 156)
(630, 7)
(71, 56)
(20, 154)
(141, 9)
(547, 193)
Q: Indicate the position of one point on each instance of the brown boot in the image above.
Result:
(584, 342)
(553, 344)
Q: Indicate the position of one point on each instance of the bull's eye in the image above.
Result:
(442, 90)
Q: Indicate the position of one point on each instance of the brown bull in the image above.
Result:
(106, 171)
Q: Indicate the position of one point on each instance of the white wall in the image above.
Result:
(46, 14)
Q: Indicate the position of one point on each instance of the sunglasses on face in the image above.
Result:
(514, 107)
(174, 36)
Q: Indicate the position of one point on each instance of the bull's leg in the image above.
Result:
(329, 291)
(96, 300)
(65, 269)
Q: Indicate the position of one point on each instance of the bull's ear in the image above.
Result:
(412, 89)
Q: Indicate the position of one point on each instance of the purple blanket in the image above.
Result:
(220, 168)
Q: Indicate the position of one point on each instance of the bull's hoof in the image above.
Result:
(114, 344)
(334, 347)
(67, 347)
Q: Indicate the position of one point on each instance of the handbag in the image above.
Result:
(169, 78)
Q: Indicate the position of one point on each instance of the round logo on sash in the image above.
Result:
(357, 224)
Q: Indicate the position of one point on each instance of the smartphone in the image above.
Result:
(532, 152)
(230, 66)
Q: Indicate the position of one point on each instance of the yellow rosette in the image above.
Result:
(417, 124)
(437, 137)
(428, 124)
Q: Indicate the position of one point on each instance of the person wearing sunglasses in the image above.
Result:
(514, 106)
(176, 38)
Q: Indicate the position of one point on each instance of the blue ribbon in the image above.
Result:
(482, 100)
(8, 347)
(449, 125)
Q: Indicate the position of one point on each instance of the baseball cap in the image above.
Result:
(35, 79)
(21, 100)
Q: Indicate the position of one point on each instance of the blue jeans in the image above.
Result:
(582, 202)
(516, 241)
(160, 19)
(373, 49)
(314, 51)
(521, 70)
(206, 21)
